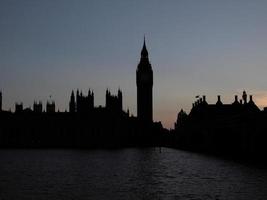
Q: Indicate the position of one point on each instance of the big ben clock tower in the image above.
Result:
(144, 82)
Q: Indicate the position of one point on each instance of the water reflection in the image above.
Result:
(126, 174)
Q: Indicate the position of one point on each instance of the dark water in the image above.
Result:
(126, 174)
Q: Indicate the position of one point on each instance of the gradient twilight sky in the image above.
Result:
(196, 47)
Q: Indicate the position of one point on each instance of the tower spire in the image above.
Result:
(144, 52)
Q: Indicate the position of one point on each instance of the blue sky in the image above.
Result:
(195, 47)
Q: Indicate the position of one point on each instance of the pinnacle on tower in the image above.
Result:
(244, 96)
(144, 52)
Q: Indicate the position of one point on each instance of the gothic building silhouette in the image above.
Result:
(82, 104)
(85, 125)
(237, 128)
(72, 104)
(144, 82)
(85, 104)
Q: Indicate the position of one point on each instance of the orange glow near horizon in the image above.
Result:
(261, 100)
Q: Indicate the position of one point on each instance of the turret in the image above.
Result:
(120, 99)
(18, 107)
(78, 101)
(251, 105)
(72, 104)
(90, 99)
(113, 102)
(37, 107)
(181, 118)
(50, 107)
(219, 102)
(204, 100)
(236, 102)
(250, 99)
(107, 97)
(244, 96)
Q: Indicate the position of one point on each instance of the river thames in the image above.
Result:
(141, 173)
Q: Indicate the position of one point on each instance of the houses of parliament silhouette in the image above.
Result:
(234, 129)
(86, 125)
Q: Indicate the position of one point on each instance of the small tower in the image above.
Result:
(113, 102)
(84, 104)
(244, 96)
(144, 82)
(78, 101)
(120, 99)
(219, 102)
(236, 102)
(72, 103)
(50, 107)
(107, 98)
(251, 105)
(181, 118)
(251, 99)
(37, 107)
(90, 99)
(204, 100)
(18, 107)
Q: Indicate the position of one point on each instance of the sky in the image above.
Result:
(207, 47)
